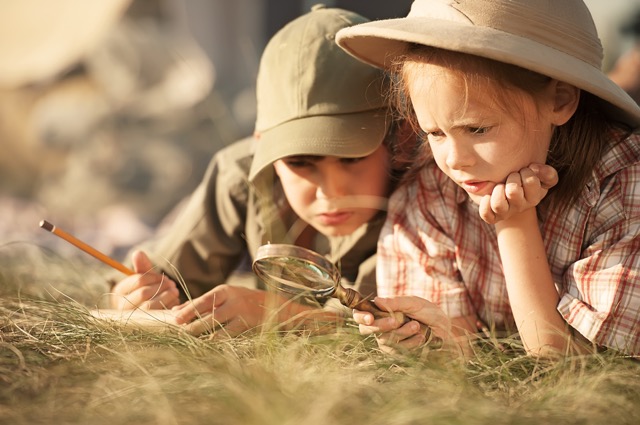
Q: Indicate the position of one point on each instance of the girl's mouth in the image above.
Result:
(475, 187)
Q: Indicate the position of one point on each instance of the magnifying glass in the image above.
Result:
(296, 270)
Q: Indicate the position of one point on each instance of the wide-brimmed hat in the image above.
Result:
(313, 98)
(554, 38)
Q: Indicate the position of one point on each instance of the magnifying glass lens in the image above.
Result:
(296, 270)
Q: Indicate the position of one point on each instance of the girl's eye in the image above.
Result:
(432, 135)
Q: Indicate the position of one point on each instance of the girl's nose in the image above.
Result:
(458, 155)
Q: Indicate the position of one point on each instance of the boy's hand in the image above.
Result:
(521, 191)
(238, 308)
(146, 289)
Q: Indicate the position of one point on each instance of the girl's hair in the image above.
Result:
(403, 145)
(575, 147)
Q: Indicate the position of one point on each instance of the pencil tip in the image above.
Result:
(46, 225)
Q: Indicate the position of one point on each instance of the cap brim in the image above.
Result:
(347, 136)
(380, 42)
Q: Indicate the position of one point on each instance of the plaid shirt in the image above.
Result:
(435, 245)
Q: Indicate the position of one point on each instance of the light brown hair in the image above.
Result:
(575, 147)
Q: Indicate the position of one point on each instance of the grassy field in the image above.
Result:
(60, 365)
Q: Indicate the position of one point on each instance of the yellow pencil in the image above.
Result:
(86, 248)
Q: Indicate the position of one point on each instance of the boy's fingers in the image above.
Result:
(204, 324)
(141, 263)
(202, 305)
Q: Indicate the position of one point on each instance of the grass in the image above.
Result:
(58, 364)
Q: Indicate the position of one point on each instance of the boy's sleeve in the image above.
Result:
(206, 242)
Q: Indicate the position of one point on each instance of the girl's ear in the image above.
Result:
(566, 98)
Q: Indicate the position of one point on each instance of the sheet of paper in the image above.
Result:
(137, 317)
(154, 319)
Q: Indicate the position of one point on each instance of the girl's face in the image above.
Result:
(336, 195)
(476, 141)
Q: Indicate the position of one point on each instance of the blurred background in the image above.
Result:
(111, 109)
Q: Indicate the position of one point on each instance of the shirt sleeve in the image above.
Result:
(205, 243)
(601, 295)
(415, 255)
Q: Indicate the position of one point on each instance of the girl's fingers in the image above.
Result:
(408, 336)
(429, 316)
(486, 213)
(533, 191)
(547, 175)
(514, 188)
(385, 324)
(499, 203)
(363, 317)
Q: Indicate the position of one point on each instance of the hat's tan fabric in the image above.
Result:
(555, 38)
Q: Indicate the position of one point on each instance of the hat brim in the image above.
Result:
(379, 43)
(347, 136)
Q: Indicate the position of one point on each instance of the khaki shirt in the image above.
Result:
(226, 220)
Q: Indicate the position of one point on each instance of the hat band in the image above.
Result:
(524, 20)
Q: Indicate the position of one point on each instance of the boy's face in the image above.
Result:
(336, 195)
(474, 141)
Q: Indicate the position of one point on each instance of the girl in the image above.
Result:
(527, 217)
(317, 173)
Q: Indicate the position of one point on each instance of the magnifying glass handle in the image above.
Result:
(353, 299)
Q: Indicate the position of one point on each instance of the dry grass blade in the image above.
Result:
(59, 364)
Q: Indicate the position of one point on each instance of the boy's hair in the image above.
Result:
(575, 147)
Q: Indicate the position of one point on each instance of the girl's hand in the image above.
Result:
(521, 191)
(392, 335)
(146, 289)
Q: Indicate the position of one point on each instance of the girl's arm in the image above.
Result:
(532, 292)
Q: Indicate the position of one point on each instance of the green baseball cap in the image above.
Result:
(314, 98)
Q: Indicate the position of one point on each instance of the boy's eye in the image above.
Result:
(297, 162)
(479, 130)
(351, 160)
